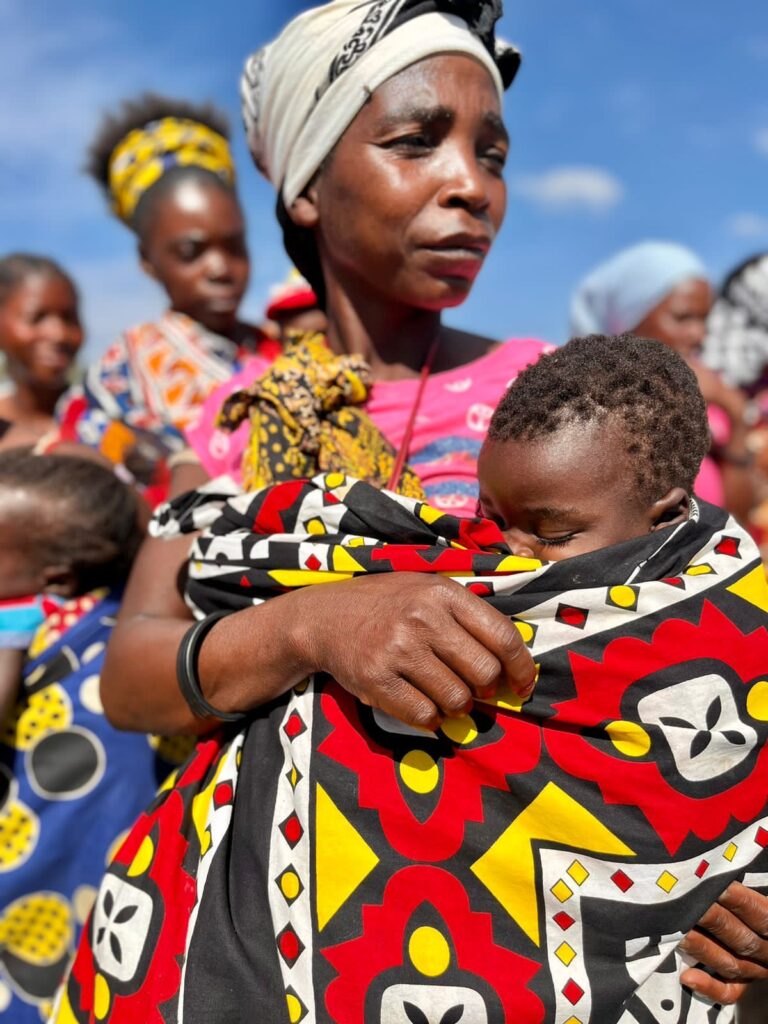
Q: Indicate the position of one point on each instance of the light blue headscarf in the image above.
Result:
(618, 295)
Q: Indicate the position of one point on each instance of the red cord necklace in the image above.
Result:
(405, 444)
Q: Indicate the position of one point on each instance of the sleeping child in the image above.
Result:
(533, 861)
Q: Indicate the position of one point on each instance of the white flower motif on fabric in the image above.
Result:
(121, 923)
(432, 1004)
(701, 724)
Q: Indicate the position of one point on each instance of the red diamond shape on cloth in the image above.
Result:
(571, 616)
(290, 945)
(729, 546)
(622, 881)
(674, 581)
(761, 838)
(294, 726)
(702, 869)
(573, 992)
(482, 589)
(563, 920)
(313, 563)
(292, 830)
(244, 581)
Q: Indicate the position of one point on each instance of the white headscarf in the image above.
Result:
(301, 92)
(619, 294)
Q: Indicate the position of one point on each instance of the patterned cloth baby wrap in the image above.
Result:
(531, 863)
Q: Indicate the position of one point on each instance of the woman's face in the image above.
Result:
(195, 247)
(680, 320)
(40, 331)
(411, 199)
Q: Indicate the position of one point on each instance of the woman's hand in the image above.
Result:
(732, 940)
(416, 646)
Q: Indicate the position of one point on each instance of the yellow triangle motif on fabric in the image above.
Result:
(344, 562)
(753, 588)
(305, 577)
(508, 868)
(343, 859)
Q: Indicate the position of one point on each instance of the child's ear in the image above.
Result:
(60, 580)
(671, 510)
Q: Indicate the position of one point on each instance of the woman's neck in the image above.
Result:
(394, 340)
(30, 402)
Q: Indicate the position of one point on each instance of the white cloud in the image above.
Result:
(748, 225)
(571, 188)
(760, 141)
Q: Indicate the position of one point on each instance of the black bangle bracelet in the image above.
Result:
(186, 671)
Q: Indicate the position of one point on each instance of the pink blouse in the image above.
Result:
(453, 418)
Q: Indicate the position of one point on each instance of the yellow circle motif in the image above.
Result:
(19, 830)
(294, 1008)
(429, 952)
(143, 858)
(419, 771)
(101, 997)
(460, 730)
(48, 709)
(526, 631)
(290, 885)
(757, 701)
(629, 738)
(37, 928)
(334, 480)
(624, 597)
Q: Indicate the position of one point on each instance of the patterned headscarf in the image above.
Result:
(618, 295)
(302, 91)
(146, 154)
(737, 339)
(306, 417)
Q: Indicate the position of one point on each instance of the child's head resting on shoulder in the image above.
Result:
(67, 525)
(598, 442)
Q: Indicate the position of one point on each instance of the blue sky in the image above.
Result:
(630, 119)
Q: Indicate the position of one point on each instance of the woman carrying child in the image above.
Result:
(388, 162)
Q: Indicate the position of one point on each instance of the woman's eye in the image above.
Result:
(496, 158)
(415, 142)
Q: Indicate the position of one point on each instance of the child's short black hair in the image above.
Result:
(641, 385)
(88, 519)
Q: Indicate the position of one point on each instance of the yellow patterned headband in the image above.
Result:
(145, 154)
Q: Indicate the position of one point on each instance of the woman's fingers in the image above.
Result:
(731, 941)
(499, 637)
(751, 908)
(723, 992)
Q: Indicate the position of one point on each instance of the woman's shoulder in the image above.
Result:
(483, 355)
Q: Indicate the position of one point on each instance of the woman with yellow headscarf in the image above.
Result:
(167, 171)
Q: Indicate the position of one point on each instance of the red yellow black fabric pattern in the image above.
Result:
(531, 863)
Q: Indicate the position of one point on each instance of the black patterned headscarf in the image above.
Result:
(301, 92)
(737, 333)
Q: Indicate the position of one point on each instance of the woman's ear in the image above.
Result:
(671, 510)
(60, 580)
(304, 211)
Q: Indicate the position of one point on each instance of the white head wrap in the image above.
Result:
(619, 294)
(301, 92)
